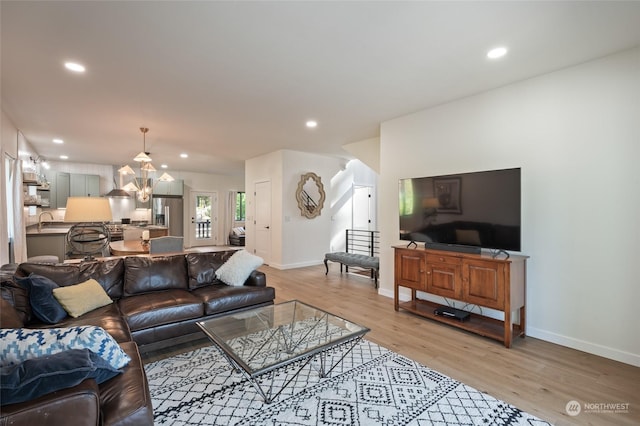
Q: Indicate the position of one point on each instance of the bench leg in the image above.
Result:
(326, 267)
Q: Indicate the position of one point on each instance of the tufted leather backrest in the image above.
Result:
(202, 267)
(145, 274)
(109, 273)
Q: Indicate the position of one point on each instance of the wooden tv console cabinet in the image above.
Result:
(474, 279)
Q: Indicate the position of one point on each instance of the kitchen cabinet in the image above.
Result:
(175, 187)
(62, 189)
(47, 244)
(65, 185)
(53, 202)
(81, 185)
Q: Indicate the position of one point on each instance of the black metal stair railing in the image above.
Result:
(361, 241)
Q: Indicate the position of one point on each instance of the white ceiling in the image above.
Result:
(227, 81)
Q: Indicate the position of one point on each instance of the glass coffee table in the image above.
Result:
(259, 341)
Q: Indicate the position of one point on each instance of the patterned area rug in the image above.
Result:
(372, 386)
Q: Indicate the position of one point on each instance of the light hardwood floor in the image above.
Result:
(536, 376)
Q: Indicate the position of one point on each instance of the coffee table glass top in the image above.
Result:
(262, 339)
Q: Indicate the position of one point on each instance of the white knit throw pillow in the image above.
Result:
(237, 269)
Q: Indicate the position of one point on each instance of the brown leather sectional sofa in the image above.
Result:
(157, 303)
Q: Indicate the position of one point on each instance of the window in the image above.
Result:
(203, 208)
(240, 207)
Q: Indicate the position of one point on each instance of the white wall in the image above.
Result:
(355, 173)
(265, 168)
(367, 151)
(576, 135)
(295, 240)
(305, 241)
(9, 136)
(8, 147)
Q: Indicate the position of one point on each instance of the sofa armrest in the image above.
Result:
(79, 405)
(256, 279)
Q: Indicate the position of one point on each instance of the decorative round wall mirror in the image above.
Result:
(310, 195)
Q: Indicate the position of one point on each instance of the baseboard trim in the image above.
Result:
(582, 345)
(389, 293)
(559, 339)
(294, 265)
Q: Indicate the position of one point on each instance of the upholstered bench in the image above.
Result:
(354, 259)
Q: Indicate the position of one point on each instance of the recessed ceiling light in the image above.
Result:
(58, 140)
(64, 157)
(312, 124)
(74, 66)
(497, 52)
(164, 166)
(183, 155)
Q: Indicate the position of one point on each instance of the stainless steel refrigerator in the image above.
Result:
(168, 211)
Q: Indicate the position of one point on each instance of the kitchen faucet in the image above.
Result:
(40, 219)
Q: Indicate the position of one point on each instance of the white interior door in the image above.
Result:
(263, 220)
(362, 212)
(203, 226)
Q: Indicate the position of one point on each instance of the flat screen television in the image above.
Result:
(462, 212)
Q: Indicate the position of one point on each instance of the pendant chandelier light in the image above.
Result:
(142, 185)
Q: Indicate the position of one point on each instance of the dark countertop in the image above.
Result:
(49, 228)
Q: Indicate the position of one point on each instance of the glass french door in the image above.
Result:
(203, 229)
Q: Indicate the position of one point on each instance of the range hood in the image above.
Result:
(118, 193)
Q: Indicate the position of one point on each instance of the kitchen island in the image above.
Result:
(48, 241)
(51, 238)
(128, 248)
